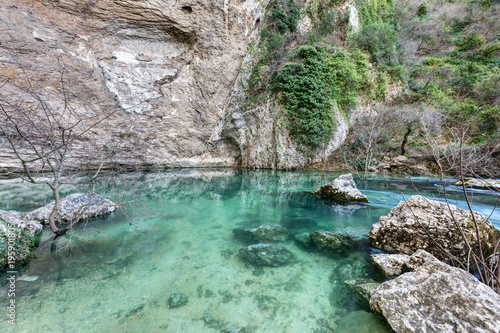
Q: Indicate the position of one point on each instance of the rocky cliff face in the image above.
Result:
(169, 67)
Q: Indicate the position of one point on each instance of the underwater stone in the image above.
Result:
(361, 288)
(304, 239)
(331, 241)
(266, 255)
(342, 189)
(177, 300)
(262, 233)
(236, 330)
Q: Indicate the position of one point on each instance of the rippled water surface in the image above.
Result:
(177, 238)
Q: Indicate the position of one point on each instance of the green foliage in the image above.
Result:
(307, 89)
(382, 41)
(422, 10)
(469, 42)
(283, 16)
(375, 11)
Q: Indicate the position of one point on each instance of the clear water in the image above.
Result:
(118, 278)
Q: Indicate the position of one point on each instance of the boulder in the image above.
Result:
(361, 288)
(23, 235)
(436, 297)
(177, 300)
(481, 184)
(391, 265)
(331, 241)
(405, 229)
(266, 255)
(70, 206)
(262, 233)
(342, 189)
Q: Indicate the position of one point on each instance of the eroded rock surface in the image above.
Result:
(403, 230)
(342, 189)
(436, 297)
(70, 206)
(332, 241)
(262, 233)
(267, 255)
(23, 235)
(391, 265)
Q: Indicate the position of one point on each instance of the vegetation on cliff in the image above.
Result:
(428, 74)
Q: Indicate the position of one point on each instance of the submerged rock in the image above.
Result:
(342, 189)
(437, 297)
(391, 265)
(361, 288)
(262, 233)
(177, 300)
(70, 206)
(304, 239)
(23, 235)
(331, 241)
(405, 229)
(361, 322)
(266, 255)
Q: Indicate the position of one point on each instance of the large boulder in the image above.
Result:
(407, 227)
(71, 205)
(21, 235)
(341, 190)
(262, 233)
(266, 255)
(331, 241)
(436, 297)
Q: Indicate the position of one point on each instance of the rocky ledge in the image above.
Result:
(341, 190)
(70, 207)
(481, 184)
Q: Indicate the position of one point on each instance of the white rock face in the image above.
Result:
(436, 297)
(71, 205)
(170, 69)
(403, 230)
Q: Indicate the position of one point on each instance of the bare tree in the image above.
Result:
(48, 132)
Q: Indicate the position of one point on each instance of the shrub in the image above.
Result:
(306, 88)
(382, 41)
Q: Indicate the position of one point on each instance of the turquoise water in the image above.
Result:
(176, 237)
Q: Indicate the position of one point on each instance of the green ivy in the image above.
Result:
(307, 89)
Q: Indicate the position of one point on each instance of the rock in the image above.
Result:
(177, 300)
(391, 265)
(266, 255)
(331, 241)
(23, 235)
(361, 322)
(402, 230)
(236, 330)
(262, 233)
(361, 288)
(402, 164)
(304, 239)
(436, 297)
(70, 206)
(342, 189)
(482, 184)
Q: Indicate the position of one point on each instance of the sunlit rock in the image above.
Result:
(437, 297)
(342, 189)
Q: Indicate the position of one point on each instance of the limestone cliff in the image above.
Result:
(171, 69)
